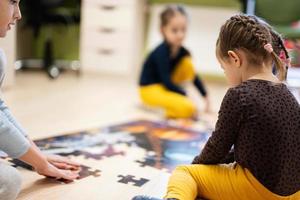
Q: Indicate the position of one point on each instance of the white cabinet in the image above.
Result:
(111, 35)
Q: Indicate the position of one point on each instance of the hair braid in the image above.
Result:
(251, 34)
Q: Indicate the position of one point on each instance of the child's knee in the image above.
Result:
(182, 169)
(183, 112)
(183, 180)
(187, 109)
(10, 182)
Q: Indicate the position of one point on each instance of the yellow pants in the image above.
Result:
(175, 105)
(219, 182)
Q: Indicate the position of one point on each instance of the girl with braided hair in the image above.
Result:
(259, 117)
(277, 43)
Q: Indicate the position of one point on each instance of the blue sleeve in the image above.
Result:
(200, 86)
(12, 141)
(5, 110)
(163, 67)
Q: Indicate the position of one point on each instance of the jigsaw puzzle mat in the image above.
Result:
(121, 161)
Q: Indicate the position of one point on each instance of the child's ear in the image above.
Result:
(234, 58)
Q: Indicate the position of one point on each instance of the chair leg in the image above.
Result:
(51, 69)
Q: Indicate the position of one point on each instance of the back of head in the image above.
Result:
(169, 12)
(277, 40)
(255, 38)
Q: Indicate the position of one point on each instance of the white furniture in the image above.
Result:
(111, 36)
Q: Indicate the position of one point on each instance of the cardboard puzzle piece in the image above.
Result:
(147, 162)
(85, 172)
(152, 161)
(18, 163)
(131, 179)
(109, 152)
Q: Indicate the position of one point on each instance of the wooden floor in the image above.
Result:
(48, 108)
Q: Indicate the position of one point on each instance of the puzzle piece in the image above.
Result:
(151, 160)
(18, 163)
(84, 172)
(131, 179)
(146, 162)
(151, 163)
(109, 152)
(73, 153)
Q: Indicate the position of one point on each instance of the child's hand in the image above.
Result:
(207, 107)
(54, 166)
(51, 171)
(63, 162)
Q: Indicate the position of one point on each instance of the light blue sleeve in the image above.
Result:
(5, 110)
(12, 141)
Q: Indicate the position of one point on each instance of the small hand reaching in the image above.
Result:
(207, 108)
(50, 170)
(63, 162)
(51, 165)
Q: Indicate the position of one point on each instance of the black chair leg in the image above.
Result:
(52, 70)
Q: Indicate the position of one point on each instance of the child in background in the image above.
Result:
(13, 139)
(259, 117)
(168, 66)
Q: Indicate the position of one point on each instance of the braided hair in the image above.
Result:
(277, 43)
(250, 34)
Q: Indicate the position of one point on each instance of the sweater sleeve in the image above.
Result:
(200, 86)
(12, 141)
(163, 67)
(219, 144)
(10, 117)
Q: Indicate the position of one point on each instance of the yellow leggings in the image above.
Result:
(219, 182)
(175, 105)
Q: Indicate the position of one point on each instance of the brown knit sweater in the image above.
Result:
(262, 120)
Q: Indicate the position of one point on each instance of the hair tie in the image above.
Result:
(282, 55)
(268, 47)
(284, 59)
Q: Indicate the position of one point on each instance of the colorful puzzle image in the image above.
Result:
(138, 155)
(167, 146)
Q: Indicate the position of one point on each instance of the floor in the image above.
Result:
(53, 107)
